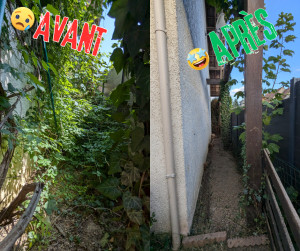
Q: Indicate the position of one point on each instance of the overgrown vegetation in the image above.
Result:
(97, 160)
(225, 112)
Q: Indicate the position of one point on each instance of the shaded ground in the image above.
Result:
(218, 207)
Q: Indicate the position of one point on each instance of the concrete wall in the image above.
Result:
(190, 105)
(20, 168)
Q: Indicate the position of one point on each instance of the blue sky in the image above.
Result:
(274, 8)
(109, 24)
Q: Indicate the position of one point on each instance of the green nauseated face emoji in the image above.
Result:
(22, 18)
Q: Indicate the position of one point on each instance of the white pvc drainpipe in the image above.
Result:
(163, 66)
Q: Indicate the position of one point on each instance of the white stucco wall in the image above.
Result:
(190, 105)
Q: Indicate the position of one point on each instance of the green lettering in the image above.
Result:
(243, 35)
(253, 29)
(269, 35)
(219, 48)
(231, 43)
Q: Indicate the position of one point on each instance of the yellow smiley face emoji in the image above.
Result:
(198, 59)
(22, 18)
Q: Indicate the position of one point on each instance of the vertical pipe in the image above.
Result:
(2, 10)
(48, 76)
(163, 66)
(49, 83)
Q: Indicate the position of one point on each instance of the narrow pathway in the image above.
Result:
(218, 207)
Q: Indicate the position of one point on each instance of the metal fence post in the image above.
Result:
(292, 120)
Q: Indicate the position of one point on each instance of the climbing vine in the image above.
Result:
(225, 112)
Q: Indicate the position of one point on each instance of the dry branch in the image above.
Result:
(11, 109)
(19, 93)
(17, 231)
(7, 213)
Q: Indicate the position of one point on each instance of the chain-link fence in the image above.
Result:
(290, 178)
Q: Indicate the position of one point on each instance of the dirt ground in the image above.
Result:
(218, 207)
(74, 232)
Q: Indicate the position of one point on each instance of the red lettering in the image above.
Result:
(98, 41)
(73, 40)
(45, 33)
(86, 38)
(58, 29)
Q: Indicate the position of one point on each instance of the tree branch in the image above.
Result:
(19, 93)
(17, 231)
(9, 112)
(7, 213)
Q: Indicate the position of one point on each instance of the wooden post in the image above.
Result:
(253, 113)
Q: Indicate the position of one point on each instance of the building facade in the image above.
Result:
(190, 108)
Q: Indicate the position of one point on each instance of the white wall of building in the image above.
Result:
(190, 105)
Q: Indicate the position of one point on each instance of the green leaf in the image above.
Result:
(52, 9)
(114, 164)
(131, 202)
(50, 206)
(121, 93)
(34, 59)
(285, 69)
(4, 103)
(119, 116)
(104, 240)
(267, 120)
(266, 103)
(10, 87)
(109, 188)
(44, 64)
(137, 136)
(288, 52)
(290, 38)
(25, 56)
(36, 81)
(242, 137)
(118, 59)
(237, 110)
(133, 237)
(123, 21)
(136, 216)
(117, 136)
(53, 68)
(276, 137)
(239, 94)
(130, 175)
